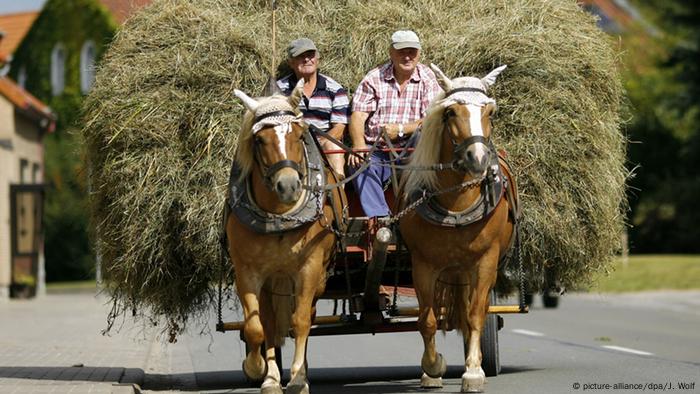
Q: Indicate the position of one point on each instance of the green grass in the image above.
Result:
(70, 286)
(653, 272)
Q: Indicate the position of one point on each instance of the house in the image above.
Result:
(24, 121)
(618, 16)
(52, 54)
(13, 28)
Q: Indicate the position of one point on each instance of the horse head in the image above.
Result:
(467, 111)
(277, 144)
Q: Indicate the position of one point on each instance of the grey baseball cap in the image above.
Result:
(405, 39)
(299, 46)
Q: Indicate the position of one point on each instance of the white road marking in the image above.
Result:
(528, 332)
(628, 350)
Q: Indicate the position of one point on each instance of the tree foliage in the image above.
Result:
(663, 85)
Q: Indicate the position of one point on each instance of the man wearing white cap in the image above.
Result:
(325, 103)
(393, 99)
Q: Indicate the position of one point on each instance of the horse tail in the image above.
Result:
(451, 302)
(282, 302)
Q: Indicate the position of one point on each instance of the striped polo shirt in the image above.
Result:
(327, 105)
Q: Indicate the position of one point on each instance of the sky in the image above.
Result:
(12, 6)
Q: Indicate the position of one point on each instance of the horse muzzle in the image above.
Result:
(287, 184)
(472, 156)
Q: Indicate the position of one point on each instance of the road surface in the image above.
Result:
(644, 342)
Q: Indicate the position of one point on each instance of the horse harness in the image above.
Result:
(309, 209)
(269, 172)
(493, 187)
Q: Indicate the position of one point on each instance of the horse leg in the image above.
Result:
(254, 366)
(273, 381)
(432, 362)
(308, 279)
(483, 279)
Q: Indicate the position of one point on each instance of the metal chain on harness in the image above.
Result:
(427, 196)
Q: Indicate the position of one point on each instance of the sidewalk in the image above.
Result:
(54, 344)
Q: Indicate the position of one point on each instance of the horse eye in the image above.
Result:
(449, 113)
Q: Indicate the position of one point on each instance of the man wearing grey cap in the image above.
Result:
(325, 102)
(393, 99)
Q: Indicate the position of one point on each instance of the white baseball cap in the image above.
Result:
(405, 39)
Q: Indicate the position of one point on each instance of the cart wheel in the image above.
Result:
(278, 361)
(490, 361)
(550, 300)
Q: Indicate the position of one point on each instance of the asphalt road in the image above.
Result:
(646, 342)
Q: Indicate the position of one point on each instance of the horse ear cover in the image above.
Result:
(490, 79)
(298, 91)
(444, 82)
(248, 101)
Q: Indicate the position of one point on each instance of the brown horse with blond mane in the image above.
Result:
(456, 245)
(278, 235)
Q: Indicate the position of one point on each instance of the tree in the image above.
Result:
(663, 85)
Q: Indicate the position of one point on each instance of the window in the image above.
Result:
(24, 171)
(36, 173)
(58, 69)
(22, 77)
(87, 66)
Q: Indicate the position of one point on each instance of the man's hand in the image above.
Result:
(358, 119)
(392, 130)
(354, 160)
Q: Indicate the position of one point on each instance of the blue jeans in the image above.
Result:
(369, 185)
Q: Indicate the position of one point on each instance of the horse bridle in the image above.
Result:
(460, 147)
(269, 172)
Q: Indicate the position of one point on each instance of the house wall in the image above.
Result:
(26, 141)
(8, 173)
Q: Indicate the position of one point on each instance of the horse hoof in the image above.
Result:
(251, 377)
(272, 388)
(297, 388)
(426, 382)
(436, 370)
(473, 380)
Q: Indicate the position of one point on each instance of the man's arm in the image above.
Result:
(337, 130)
(357, 135)
(340, 109)
(392, 129)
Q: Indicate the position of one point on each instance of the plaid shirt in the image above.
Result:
(379, 95)
(327, 105)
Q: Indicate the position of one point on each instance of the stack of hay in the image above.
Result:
(162, 123)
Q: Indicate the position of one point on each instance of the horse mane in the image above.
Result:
(427, 151)
(244, 155)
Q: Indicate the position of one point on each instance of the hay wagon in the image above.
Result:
(370, 284)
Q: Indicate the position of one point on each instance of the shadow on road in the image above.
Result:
(363, 380)
(74, 373)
